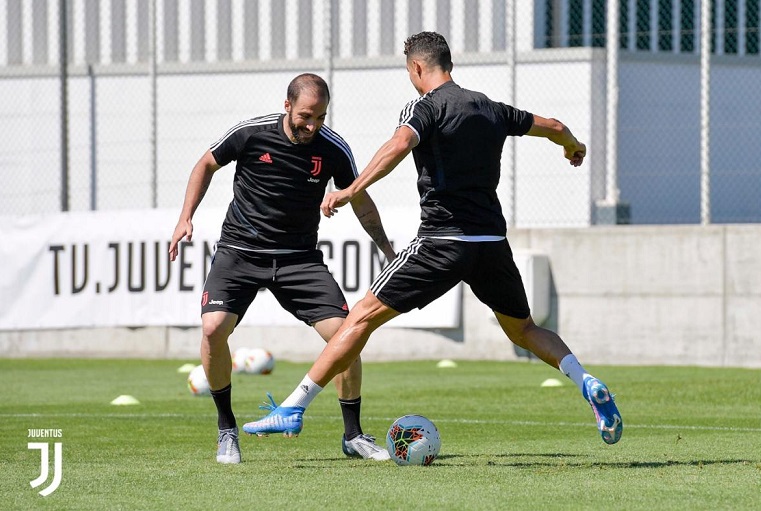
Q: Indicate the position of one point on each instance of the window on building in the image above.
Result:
(576, 23)
(549, 24)
(687, 26)
(642, 37)
(623, 24)
(751, 27)
(730, 26)
(665, 26)
(599, 24)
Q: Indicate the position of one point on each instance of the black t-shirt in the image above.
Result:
(461, 135)
(278, 185)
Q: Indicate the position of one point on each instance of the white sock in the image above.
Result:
(571, 367)
(303, 394)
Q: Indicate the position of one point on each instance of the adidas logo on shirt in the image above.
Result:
(266, 158)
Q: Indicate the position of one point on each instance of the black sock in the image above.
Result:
(350, 410)
(226, 419)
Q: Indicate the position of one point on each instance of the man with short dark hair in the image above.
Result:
(456, 138)
(269, 239)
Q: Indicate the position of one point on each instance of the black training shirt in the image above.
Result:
(461, 135)
(278, 185)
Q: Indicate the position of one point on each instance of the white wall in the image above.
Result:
(660, 295)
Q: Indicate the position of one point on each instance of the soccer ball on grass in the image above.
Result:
(198, 385)
(413, 440)
(259, 361)
(239, 360)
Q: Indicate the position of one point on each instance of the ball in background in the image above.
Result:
(197, 382)
(413, 440)
(259, 361)
(239, 360)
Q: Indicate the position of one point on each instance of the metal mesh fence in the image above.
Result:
(148, 85)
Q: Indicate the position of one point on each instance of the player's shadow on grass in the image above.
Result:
(532, 460)
(561, 460)
(440, 457)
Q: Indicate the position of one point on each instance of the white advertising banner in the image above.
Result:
(109, 269)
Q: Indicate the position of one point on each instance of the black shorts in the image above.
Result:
(429, 267)
(300, 282)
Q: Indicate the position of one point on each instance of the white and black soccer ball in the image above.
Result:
(413, 440)
(259, 361)
(198, 384)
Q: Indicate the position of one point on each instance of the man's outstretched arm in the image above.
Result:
(385, 160)
(559, 133)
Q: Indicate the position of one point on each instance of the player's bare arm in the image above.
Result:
(367, 214)
(198, 183)
(385, 160)
(557, 132)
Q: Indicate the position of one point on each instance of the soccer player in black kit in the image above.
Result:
(269, 240)
(456, 138)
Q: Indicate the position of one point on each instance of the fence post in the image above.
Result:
(153, 101)
(705, 118)
(328, 34)
(611, 210)
(93, 138)
(510, 43)
(611, 136)
(63, 56)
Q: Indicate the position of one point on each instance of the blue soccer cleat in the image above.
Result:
(609, 421)
(281, 419)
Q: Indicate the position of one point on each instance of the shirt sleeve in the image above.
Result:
(517, 122)
(230, 145)
(419, 116)
(346, 170)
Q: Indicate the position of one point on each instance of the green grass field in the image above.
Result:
(692, 440)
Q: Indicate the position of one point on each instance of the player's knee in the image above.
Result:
(218, 325)
(215, 331)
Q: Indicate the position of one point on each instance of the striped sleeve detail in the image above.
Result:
(256, 121)
(339, 142)
(408, 112)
